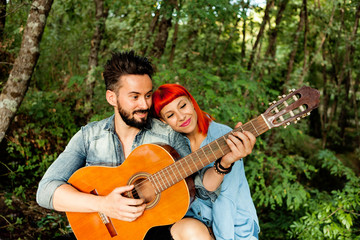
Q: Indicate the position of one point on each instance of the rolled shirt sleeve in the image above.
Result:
(61, 170)
(201, 191)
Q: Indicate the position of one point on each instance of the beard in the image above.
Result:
(140, 124)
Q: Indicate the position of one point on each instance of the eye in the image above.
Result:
(183, 105)
(148, 95)
(169, 116)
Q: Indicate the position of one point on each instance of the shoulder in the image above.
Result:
(218, 129)
(160, 127)
(106, 124)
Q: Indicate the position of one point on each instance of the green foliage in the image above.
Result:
(44, 126)
(331, 216)
(228, 100)
(300, 191)
(53, 222)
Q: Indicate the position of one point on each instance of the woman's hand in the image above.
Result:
(241, 144)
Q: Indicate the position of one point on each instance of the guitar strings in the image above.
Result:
(159, 176)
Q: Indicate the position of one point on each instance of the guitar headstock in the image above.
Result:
(292, 107)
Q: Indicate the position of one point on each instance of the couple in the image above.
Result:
(222, 209)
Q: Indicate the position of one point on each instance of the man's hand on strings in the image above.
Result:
(115, 205)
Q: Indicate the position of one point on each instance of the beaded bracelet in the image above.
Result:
(220, 169)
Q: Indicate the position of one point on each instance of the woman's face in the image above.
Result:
(180, 115)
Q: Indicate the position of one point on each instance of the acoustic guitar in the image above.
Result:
(158, 174)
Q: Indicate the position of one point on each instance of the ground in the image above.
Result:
(25, 219)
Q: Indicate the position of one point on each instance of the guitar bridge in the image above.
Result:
(106, 220)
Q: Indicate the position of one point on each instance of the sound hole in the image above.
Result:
(143, 189)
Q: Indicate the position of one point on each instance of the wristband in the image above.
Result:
(220, 169)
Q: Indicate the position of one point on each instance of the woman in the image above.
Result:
(223, 201)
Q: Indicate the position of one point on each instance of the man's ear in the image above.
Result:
(111, 98)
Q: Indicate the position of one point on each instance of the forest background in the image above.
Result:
(234, 56)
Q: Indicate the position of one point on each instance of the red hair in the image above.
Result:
(167, 93)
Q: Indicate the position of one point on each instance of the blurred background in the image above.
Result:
(234, 57)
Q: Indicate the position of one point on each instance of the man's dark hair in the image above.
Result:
(124, 63)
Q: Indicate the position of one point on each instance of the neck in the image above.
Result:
(123, 130)
(196, 138)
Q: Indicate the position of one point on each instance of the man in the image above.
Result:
(109, 142)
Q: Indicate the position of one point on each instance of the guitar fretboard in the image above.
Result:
(195, 161)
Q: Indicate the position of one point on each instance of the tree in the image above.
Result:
(16, 86)
(167, 8)
(2, 18)
(295, 43)
(269, 6)
(101, 14)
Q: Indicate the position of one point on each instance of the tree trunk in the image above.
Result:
(307, 67)
(18, 82)
(325, 102)
(346, 72)
(306, 52)
(295, 45)
(356, 110)
(165, 23)
(101, 15)
(153, 25)
(271, 50)
(269, 6)
(243, 42)
(2, 18)
(175, 35)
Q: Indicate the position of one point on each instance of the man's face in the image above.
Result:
(134, 99)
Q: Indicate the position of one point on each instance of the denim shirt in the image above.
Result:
(231, 213)
(98, 144)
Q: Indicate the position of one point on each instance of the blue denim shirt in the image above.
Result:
(231, 214)
(98, 144)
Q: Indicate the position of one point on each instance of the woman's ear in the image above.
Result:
(111, 98)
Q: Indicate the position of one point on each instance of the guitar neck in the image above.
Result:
(195, 161)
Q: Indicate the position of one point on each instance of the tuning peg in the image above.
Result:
(271, 103)
(308, 114)
(297, 119)
(284, 96)
(279, 97)
(287, 124)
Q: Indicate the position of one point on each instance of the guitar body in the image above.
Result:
(168, 207)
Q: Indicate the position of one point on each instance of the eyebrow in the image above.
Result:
(179, 103)
(134, 92)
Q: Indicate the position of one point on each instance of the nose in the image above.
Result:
(145, 103)
(182, 117)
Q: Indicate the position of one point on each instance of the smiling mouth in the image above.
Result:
(186, 123)
(141, 113)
